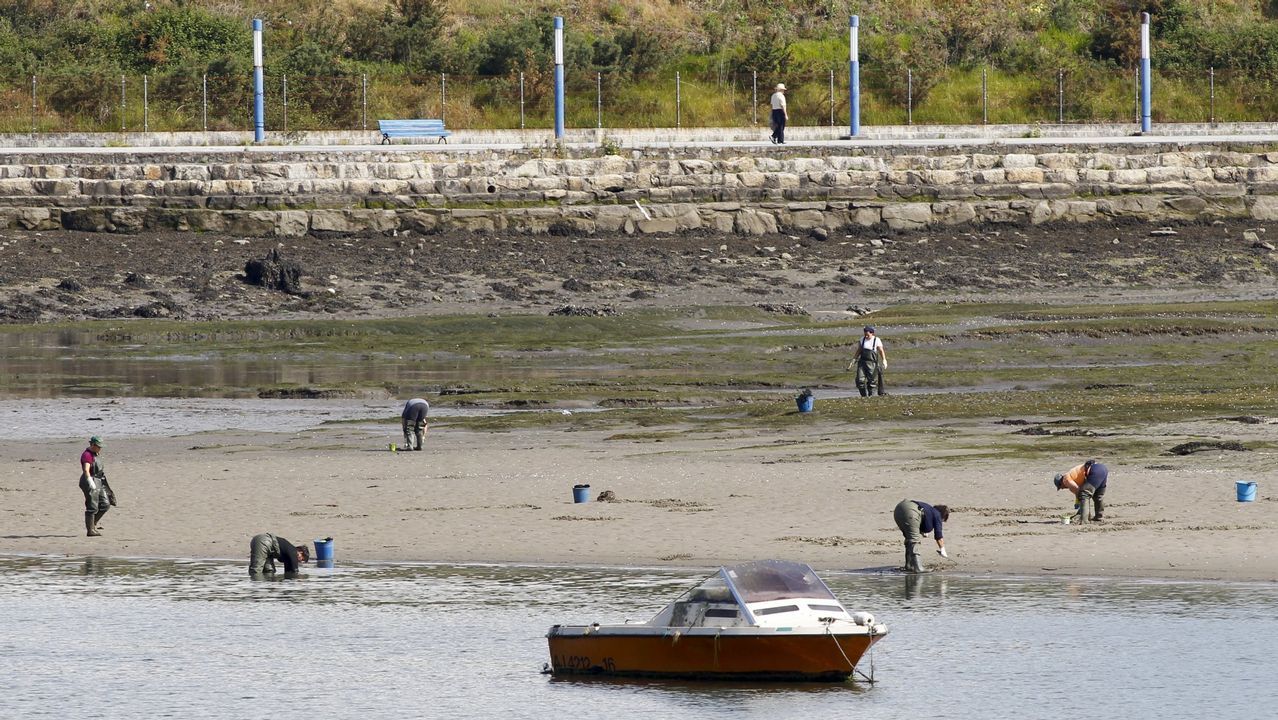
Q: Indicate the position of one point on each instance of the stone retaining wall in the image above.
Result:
(651, 191)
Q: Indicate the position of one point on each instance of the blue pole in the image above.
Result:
(854, 73)
(559, 78)
(1144, 72)
(259, 104)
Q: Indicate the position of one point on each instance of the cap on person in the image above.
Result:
(95, 440)
(1058, 480)
(780, 86)
(868, 328)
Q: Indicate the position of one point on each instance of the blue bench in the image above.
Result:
(430, 127)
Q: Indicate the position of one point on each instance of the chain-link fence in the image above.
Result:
(168, 103)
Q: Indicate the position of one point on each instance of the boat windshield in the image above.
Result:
(767, 580)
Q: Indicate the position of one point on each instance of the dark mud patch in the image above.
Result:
(1190, 448)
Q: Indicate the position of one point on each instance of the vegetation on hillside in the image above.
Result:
(724, 48)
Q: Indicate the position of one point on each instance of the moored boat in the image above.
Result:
(764, 620)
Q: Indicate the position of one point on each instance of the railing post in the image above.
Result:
(754, 108)
(33, 104)
(678, 103)
(985, 96)
(854, 75)
(364, 101)
(521, 99)
(599, 100)
(1060, 96)
(559, 77)
(831, 97)
(146, 104)
(909, 96)
(204, 102)
(1210, 78)
(443, 96)
(123, 103)
(1144, 73)
(259, 81)
(286, 104)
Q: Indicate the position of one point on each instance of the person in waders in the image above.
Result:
(265, 549)
(98, 497)
(413, 421)
(916, 519)
(1087, 482)
(870, 360)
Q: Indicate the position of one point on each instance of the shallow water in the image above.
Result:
(115, 638)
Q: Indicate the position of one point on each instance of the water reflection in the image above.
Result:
(406, 640)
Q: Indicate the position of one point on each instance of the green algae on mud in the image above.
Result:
(707, 367)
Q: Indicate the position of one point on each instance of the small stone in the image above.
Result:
(819, 234)
(786, 256)
(723, 248)
(240, 241)
(876, 243)
(56, 251)
(1163, 231)
(1251, 236)
(1262, 245)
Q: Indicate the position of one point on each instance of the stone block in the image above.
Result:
(755, 222)
(953, 213)
(1020, 160)
(807, 219)
(1265, 207)
(907, 216)
(665, 225)
(1187, 204)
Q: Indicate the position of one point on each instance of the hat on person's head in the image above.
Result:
(868, 328)
(1058, 480)
(95, 440)
(780, 86)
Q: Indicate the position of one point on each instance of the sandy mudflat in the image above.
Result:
(821, 493)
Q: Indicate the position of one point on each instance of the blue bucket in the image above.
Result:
(324, 550)
(804, 402)
(1246, 490)
(580, 493)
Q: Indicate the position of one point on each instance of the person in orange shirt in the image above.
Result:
(1087, 482)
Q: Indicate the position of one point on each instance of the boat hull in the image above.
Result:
(762, 655)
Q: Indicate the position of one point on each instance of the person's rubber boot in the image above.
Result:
(1100, 509)
(98, 519)
(912, 562)
(1083, 511)
(90, 525)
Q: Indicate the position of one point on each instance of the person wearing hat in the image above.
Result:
(1087, 482)
(413, 421)
(870, 360)
(265, 549)
(916, 519)
(98, 497)
(780, 114)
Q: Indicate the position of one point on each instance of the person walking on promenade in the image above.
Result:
(265, 549)
(1087, 482)
(916, 519)
(780, 115)
(870, 360)
(414, 422)
(98, 497)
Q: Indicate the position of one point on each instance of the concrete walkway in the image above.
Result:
(956, 136)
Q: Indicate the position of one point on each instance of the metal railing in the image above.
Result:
(165, 103)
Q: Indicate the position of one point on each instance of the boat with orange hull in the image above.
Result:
(766, 620)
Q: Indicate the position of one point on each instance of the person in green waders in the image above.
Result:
(870, 360)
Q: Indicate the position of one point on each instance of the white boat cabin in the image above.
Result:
(766, 593)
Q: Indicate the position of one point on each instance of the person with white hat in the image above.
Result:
(870, 360)
(780, 114)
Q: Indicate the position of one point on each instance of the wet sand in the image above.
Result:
(821, 493)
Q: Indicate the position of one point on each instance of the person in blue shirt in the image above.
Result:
(916, 519)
